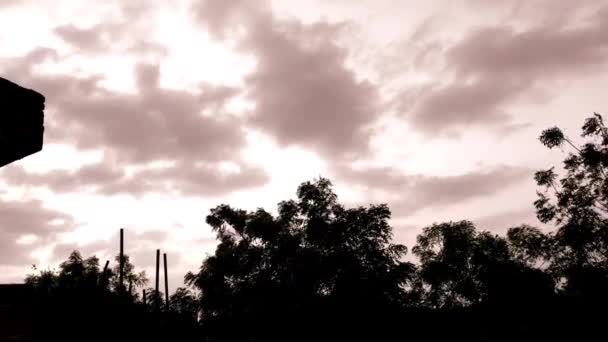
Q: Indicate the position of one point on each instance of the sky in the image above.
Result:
(157, 111)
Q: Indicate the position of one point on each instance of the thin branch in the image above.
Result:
(603, 128)
(571, 144)
(554, 188)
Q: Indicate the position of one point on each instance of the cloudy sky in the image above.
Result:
(160, 110)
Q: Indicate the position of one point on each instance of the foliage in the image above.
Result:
(580, 196)
(70, 303)
(137, 279)
(314, 258)
(183, 303)
(463, 267)
(578, 204)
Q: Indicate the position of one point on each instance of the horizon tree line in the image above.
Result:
(320, 271)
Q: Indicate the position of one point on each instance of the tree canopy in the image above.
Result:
(314, 259)
(578, 204)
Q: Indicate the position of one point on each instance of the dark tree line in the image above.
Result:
(319, 271)
(84, 302)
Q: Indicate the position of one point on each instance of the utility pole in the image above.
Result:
(121, 261)
(166, 283)
(156, 295)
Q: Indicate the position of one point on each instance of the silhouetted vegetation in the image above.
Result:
(82, 302)
(316, 270)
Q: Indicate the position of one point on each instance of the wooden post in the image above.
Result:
(156, 295)
(130, 287)
(105, 268)
(121, 260)
(166, 284)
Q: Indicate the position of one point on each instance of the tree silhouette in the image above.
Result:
(445, 251)
(183, 303)
(70, 303)
(578, 204)
(137, 279)
(530, 246)
(151, 297)
(77, 272)
(314, 262)
(463, 268)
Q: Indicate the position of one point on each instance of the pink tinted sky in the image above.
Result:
(158, 111)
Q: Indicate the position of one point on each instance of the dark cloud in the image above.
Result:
(536, 52)
(304, 93)
(501, 222)
(24, 64)
(104, 38)
(417, 192)
(8, 3)
(222, 17)
(450, 108)
(107, 178)
(84, 38)
(189, 131)
(154, 124)
(126, 30)
(546, 12)
(23, 218)
(450, 190)
(62, 180)
(496, 65)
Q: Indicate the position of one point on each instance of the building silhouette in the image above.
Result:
(21, 122)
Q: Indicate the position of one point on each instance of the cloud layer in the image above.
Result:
(187, 131)
(383, 88)
(25, 226)
(496, 65)
(412, 193)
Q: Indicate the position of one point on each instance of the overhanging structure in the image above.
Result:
(21, 122)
